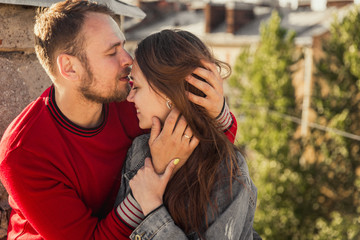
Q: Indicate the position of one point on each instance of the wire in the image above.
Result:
(310, 124)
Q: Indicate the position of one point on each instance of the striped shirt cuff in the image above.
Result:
(224, 119)
(130, 212)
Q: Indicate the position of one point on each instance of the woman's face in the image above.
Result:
(148, 103)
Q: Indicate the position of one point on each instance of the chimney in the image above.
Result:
(318, 5)
(237, 15)
(214, 16)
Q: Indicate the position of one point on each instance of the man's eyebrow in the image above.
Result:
(115, 45)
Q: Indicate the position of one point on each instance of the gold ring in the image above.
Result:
(187, 136)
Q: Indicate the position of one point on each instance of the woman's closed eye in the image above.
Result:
(133, 87)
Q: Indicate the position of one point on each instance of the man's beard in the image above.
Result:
(116, 96)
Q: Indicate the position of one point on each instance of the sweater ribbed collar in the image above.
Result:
(70, 126)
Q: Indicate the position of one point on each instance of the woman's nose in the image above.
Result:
(130, 97)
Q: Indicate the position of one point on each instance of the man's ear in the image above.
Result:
(68, 66)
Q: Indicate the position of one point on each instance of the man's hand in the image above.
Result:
(212, 88)
(175, 140)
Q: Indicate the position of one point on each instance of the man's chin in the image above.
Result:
(102, 100)
(117, 96)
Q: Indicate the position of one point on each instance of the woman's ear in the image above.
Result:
(68, 66)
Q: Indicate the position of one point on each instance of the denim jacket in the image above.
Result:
(235, 215)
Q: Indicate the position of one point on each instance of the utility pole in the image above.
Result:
(308, 63)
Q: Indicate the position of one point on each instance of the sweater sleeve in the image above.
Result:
(51, 205)
(227, 122)
(231, 131)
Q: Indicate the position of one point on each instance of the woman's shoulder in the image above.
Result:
(137, 153)
(239, 167)
(140, 141)
(238, 183)
(234, 194)
(243, 169)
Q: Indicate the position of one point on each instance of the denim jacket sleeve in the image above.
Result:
(235, 215)
(135, 159)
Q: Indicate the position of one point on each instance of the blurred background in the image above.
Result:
(295, 89)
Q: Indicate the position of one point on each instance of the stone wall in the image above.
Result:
(22, 79)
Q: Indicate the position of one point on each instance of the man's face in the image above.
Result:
(105, 77)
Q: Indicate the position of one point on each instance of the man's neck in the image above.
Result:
(78, 109)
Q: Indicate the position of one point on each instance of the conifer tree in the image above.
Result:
(264, 97)
(336, 100)
(299, 197)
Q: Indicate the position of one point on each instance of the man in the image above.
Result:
(61, 158)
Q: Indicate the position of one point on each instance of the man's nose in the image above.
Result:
(125, 59)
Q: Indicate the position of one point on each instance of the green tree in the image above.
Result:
(336, 100)
(302, 196)
(264, 98)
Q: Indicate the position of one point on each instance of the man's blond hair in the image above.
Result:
(58, 30)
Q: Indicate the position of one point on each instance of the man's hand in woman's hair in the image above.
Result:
(212, 88)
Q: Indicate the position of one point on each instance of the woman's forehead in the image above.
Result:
(136, 73)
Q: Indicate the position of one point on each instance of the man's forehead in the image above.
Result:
(103, 27)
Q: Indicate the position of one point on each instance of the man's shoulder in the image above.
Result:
(28, 123)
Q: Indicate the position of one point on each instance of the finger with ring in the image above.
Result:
(186, 136)
(188, 133)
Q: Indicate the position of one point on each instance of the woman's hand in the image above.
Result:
(148, 187)
(174, 140)
(212, 88)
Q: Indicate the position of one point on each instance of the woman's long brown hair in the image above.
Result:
(166, 58)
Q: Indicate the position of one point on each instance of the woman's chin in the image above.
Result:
(144, 126)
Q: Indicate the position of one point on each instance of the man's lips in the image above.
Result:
(126, 79)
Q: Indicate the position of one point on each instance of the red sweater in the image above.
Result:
(62, 179)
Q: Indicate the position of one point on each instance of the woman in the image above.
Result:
(211, 195)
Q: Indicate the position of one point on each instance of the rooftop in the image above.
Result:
(303, 21)
(119, 7)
